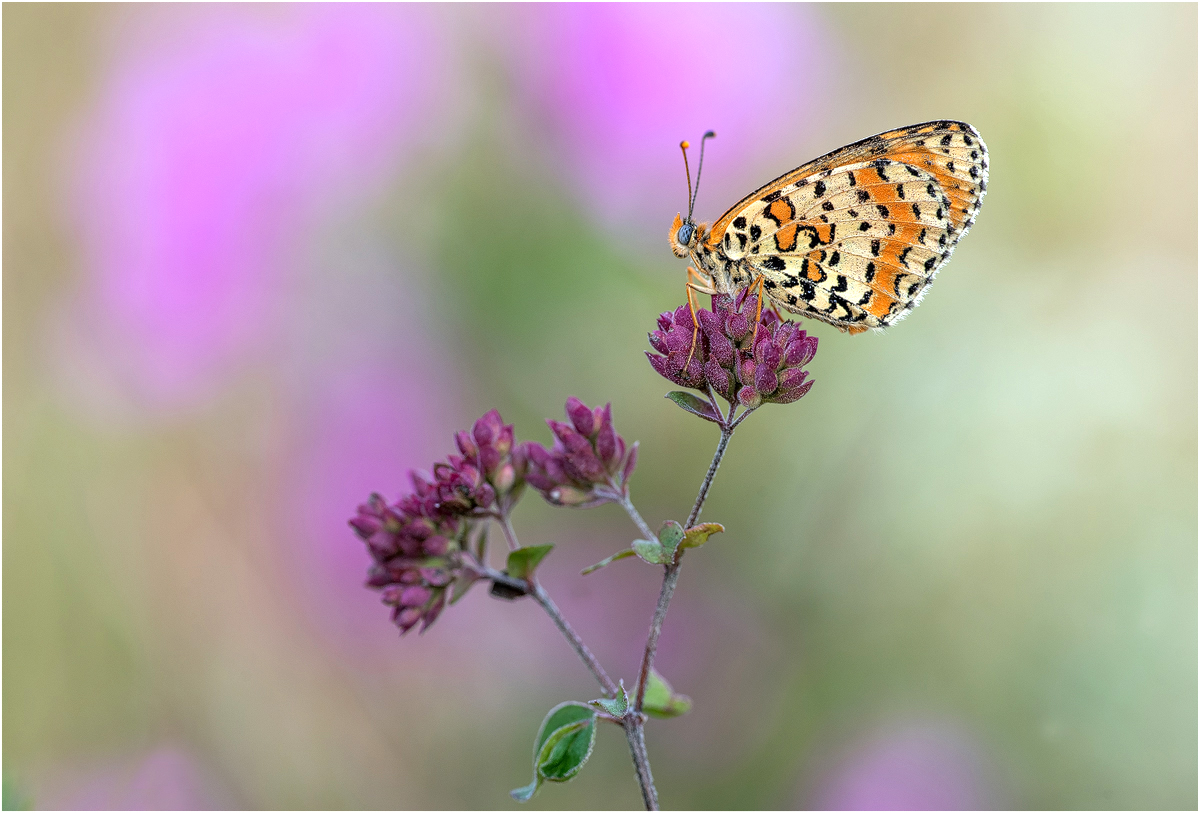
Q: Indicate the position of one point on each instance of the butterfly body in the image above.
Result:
(853, 238)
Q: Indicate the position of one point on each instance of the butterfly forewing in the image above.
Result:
(855, 237)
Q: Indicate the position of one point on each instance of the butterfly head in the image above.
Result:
(686, 233)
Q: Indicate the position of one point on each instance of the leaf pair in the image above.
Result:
(665, 550)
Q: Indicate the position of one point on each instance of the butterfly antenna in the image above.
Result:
(699, 169)
(683, 145)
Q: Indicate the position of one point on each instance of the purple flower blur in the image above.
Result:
(617, 86)
(204, 163)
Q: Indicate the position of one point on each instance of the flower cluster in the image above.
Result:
(415, 554)
(742, 365)
(419, 544)
(590, 463)
(488, 475)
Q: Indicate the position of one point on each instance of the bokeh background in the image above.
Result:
(262, 260)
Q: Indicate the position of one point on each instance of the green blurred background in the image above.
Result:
(260, 261)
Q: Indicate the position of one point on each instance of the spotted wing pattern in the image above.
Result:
(855, 238)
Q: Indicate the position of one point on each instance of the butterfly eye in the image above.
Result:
(685, 234)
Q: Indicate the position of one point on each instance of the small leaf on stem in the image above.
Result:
(523, 561)
(695, 405)
(624, 554)
(670, 534)
(461, 585)
(616, 706)
(650, 552)
(697, 535)
(661, 700)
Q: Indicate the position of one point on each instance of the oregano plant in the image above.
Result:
(430, 546)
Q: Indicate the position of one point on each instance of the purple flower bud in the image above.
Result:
(406, 618)
(466, 444)
(665, 320)
(630, 463)
(414, 596)
(765, 380)
(787, 396)
(488, 427)
(662, 366)
(737, 325)
(745, 372)
(606, 440)
(717, 376)
(749, 397)
(766, 353)
(489, 458)
(792, 378)
(680, 341)
(800, 351)
(720, 347)
(505, 477)
(436, 546)
(566, 495)
(581, 416)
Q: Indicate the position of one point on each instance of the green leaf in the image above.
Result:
(523, 561)
(616, 706)
(625, 554)
(566, 751)
(563, 744)
(697, 535)
(670, 534)
(481, 543)
(461, 585)
(695, 405)
(526, 793)
(651, 552)
(661, 700)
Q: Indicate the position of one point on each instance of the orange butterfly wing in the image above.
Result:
(854, 238)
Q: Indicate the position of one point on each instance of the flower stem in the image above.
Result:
(635, 722)
(509, 534)
(589, 660)
(636, 734)
(627, 504)
(726, 434)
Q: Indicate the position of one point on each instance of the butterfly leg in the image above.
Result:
(757, 285)
(695, 284)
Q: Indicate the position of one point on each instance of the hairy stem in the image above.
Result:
(627, 504)
(726, 434)
(635, 722)
(635, 733)
(510, 535)
(589, 660)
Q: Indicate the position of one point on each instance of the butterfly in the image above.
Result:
(853, 238)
